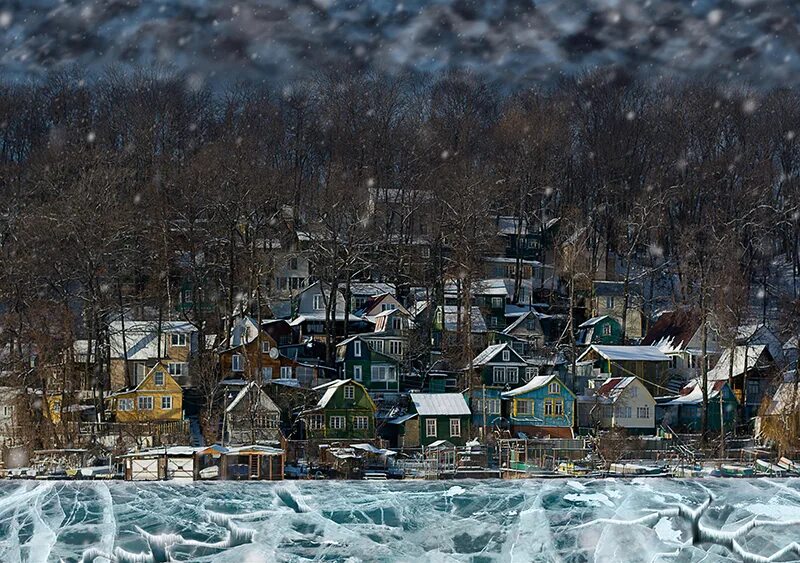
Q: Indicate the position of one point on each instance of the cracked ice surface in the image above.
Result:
(544, 520)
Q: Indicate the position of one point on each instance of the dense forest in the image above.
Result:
(118, 190)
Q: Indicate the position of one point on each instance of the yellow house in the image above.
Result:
(157, 398)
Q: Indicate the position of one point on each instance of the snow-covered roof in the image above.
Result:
(673, 331)
(436, 404)
(534, 383)
(243, 331)
(371, 289)
(521, 319)
(613, 387)
(451, 319)
(330, 390)
(593, 321)
(491, 351)
(692, 392)
(627, 353)
(752, 359)
(141, 338)
(320, 317)
(786, 397)
(243, 392)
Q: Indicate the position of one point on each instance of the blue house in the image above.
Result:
(685, 412)
(542, 407)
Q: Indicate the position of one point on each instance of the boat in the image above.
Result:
(687, 471)
(767, 468)
(635, 470)
(791, 467)
(736, 471)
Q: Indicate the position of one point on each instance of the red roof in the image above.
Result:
(608, 386)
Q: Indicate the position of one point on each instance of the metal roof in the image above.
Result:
(435, 404)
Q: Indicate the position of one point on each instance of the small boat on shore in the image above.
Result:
(730, 470)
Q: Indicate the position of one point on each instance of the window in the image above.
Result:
(455, 427)
(8, 411)
(176, 369)
(361, 423)
(292, 263)
(673, 361)
(497, 302)
(349, 392)
(287, 372)
(125, 405)
(501, 374)
(430, 428)
(397, 324)
(336, 423)
(426, 252)
(506, 356)
(166, 403)
(236, 362)
(493, 406)
(318, 304)
(558, 406)
(607, 329)
(548, 407)
(493, 322)
(531, 372)
(607, 412)
(523, 407)
(145, 403)
(396, 347)
(376, 345)
(382, 372)
(266, 374)
(609, 302)
(265, 346)
(554, 388)
(178, 339)
(357, 373)
(634, 391)
(357, 348)
(158, 377)
(512, 375)
(553, 407)
(388, 307)
(643, 412)
(623, 412)
(316, 422)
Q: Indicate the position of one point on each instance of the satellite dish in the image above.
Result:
(274, 353)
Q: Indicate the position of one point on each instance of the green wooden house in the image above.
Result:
(344, 411)
(439, 416)
(686, 411)
(500, 368)
(358, 360)
(599, 330)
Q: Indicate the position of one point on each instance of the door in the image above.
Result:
(144, 469)
(180, 468)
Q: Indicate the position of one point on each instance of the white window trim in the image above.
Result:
(430, 429)
(357, 348)
(337, 423)
(349, 392)
(357, 373)
(178, 340)
(144, 400)
(168, 399)
(455, 424)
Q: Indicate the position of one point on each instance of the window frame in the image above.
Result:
(457, 423)
(553, 388)
(337, 422)
(144, 400)
(429, 426)
(349, 392)
(163, 378)
(358, 373)
(236, 363)
(168, 399)
(357, 348)
(178, 340)
(361, 423)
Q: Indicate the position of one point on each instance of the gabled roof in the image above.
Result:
(614, 387)
(371, 288)
(243, 331)
(786, 397)
(159, 365)
(439, 404)
(673, 330)
(627, 353)
(755, 357)
(330, 389)
(603, 288)
(521, 319)
(244, 391)
(490, 352)
(535, 383)
(593, 321)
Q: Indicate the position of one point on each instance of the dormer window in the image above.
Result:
(349, 392)
(265, 347)
(236, 362)
(158, 378)
(318, 304)
(506, 356)
(553, 388)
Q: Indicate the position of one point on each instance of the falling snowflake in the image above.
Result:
(714, 17)
(445, 155)
(5, 19)
(749, 105)
(90, 137)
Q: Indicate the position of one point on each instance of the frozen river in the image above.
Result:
(545, 520)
